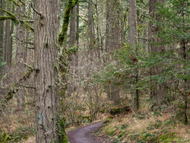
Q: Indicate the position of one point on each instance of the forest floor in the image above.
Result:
(84, 135)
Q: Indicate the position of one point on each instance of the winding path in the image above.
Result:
(83, 135)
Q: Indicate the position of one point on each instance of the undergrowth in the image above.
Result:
(164, 128)
(20, 133)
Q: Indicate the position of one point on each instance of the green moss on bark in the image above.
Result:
(13, 18)
(26, 25)
(4, 18)
(62, 137)
(67, 12)
(16, 3)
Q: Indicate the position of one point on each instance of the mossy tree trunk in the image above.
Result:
(49, 127)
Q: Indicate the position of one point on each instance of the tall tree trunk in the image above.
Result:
(46, 23)
(1, 30)
(157, 92)
(112, 42)
(7, 47)
(108, 27)
(152, 48)
(77, 39)
(73, 27)
(77, 28)
(133, 41)
(71, 86)
(20, 57)
(11, 38)
(1, 33)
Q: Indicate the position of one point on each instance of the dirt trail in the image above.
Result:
(83, 135)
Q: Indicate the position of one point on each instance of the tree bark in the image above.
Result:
(71, 86)
(7, 47)
(1, 30)
(20, 57)
(73, 27)
(132, 42)
(1, 36)
(157, 92)
(48, 127)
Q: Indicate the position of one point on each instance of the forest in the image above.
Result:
(94, 71)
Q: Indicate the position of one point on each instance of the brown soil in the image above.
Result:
(83, 135)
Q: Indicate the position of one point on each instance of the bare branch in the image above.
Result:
(37, 11)
(24, 41)
(26, 86)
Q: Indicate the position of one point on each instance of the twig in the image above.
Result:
(37, 11)
(24, 41)
(143, 39)
(133, 111)
(30, 67)
(26, 86)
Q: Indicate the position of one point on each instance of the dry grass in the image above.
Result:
(30, 140)
(136, 125)
(13, 122)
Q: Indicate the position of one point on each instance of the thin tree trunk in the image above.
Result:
(107, 42)
(1, 30)
(77, 33)
(152, 48)
(77, 39)
(133, 41)
(157, 92)
(71, 86)
(73, 27)
(7, 57)
(20, 58)
(1, 34)
(11, 39)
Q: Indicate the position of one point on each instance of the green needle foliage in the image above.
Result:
(173, 32)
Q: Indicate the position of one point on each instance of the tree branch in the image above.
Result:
(41, 16)
(67, 12)
(13, 18)
(14, 89)
(24, 41)
(26, 86)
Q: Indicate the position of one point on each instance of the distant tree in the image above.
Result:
(20, 55)
(7, 47)
(1, 34)
(133, 42)
(157, 92)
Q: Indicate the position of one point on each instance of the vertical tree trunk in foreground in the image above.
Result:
(46, 23)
